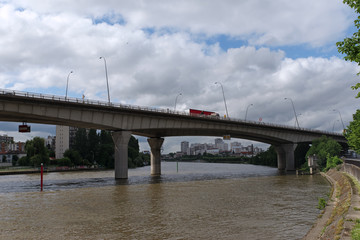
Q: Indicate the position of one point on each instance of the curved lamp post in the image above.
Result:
(297, 122)
(299, 114)
(247, 110)
(334, 123)
(335, 110)
(176, 100)
(227, 114)
(107, 80)
(67, 83)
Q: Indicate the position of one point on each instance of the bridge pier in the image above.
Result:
(285, 156)
(155, 157)
(121, 142)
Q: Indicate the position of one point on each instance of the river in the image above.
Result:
(201, 201)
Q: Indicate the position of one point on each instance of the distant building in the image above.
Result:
(50, 142)
(185, 148)
(62, 141)
(65, 139)
(6, 139)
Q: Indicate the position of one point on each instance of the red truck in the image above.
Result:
(194, 112)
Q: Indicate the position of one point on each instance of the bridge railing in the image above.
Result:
(134, 107)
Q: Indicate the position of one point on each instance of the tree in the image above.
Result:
(352, 133)
(324, 148)
(36, 152)
(351, 46)
(93, 145)
(74, 157)
(15, 159)
(80, 144)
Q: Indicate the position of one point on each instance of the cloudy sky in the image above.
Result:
(262, 51)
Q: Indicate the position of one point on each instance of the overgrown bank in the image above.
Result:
(338, 220)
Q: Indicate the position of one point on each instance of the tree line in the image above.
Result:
(90, 147)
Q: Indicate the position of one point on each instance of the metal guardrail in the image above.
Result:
(134, 107)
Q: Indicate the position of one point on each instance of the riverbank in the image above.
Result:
(14, 171)
(342, 210)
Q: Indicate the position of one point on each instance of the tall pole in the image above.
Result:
(176, 100)
(334, 123)
(247, 110)
(297, 122)
(107, 80)
(340, 117)
(67, 83)
(227, 114)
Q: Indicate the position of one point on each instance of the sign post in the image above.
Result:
(42, 171)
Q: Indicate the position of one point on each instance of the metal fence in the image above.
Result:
(134, 107)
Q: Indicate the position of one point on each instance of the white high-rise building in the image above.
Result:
(185, 147)
(62, 140)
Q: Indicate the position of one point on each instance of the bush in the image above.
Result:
(64, 162)
(24, 161)
(332, 162)
(322, 204)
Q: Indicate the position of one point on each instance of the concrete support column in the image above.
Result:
(285, 156)
(121, 141)
(155, 145)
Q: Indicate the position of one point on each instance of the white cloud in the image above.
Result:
(43, 43)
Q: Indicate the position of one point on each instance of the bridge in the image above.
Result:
(123, 120)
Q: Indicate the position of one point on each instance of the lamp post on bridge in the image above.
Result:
(67, 84)
(107, 80)
(180, 94)
(297, 122)
(335, 110)
(227, 114)
(247, 110)
(334, 123)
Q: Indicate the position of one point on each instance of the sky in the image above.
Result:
(261, 51)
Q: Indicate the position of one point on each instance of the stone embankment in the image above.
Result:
(342, 210)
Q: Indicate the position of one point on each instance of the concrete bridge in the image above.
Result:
(124, 120)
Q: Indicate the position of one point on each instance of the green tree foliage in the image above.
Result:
(352, 133)
(23, 161)
(324, 148)
(105, 155)
(74, 157)
(351, 46)
(93, 146)
(15, 160)
(332, 162)
(267, 158)
(36, 152)
(81, 142)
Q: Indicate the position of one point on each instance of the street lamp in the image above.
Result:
(107, 80)
(334, 123)
(247, 110)
(67, 83)
(176, 100)
(227, 114)
(294, 111)
(295, 120)
(335, 110)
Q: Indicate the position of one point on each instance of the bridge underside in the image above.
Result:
(124, 121)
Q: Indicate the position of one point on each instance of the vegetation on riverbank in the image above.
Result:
(90, 148)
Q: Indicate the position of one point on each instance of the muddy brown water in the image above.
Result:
(201, 201)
